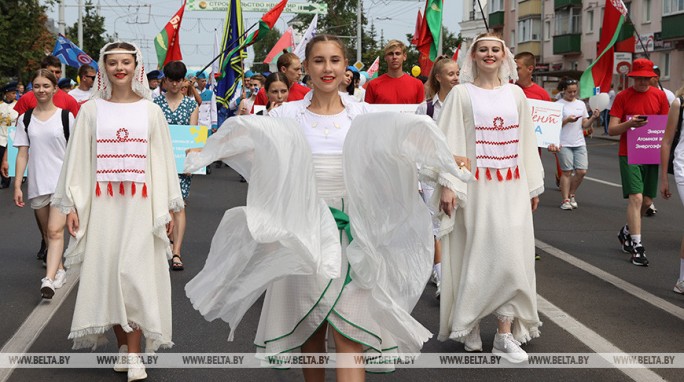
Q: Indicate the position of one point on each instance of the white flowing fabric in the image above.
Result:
(287, 230)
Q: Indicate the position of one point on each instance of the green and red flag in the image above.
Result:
(266, 23)
(373, 69)
(167, 42)
(286, 42)
(600, 73)
(430, 34)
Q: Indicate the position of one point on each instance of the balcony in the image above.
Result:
(496, 19)
(529, 8)
(672, 27)
(533, 47)
(558, 4)
(567, 44)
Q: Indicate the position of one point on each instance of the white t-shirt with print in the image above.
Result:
(571, 133)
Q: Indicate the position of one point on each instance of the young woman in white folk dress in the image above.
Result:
(119, 187)
(312, 172)
(488, 261)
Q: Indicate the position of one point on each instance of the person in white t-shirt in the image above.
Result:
(82, 93)
(42, 146)
(573, 155)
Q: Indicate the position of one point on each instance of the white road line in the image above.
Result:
(590, 338)
(618, 282)
(603, 182)
(36, 322)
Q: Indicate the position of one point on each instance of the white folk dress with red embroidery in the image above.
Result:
(497, 132)
(121, 148)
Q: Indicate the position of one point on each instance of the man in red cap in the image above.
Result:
(639, 182)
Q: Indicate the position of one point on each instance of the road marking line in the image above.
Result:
(618, 282)
(603, 182)
(590, 338)
(36, 322)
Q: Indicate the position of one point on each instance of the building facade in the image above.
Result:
(564, 35)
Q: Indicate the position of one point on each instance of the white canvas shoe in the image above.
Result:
(136, 369)
(507, 347)
(60, 279)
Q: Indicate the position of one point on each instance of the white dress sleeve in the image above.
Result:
(284, 229)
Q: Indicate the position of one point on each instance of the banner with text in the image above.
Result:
(185, 137)
(643, 143)
(547, 118)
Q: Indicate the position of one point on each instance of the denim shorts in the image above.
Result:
(573, 158)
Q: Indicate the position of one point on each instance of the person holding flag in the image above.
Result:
(395, 86)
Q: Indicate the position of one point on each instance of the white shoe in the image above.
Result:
(507, 347)
(566, 205)
(136, 369)
(438, 292)
(121, 364)
(679, 286)
(573, 202)
(435, 277)
(473, 341)
(60, 279)
(47, 289)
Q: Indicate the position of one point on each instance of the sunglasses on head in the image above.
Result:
(91, 77)
(570, 82)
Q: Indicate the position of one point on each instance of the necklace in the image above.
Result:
(326, 129)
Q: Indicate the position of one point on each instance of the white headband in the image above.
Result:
(507, 72)
(488, 38)
(121, 51)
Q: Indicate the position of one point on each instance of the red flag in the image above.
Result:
(416, 34)
(286, 41)
(458, 49)
(167, 42)
(272, 16)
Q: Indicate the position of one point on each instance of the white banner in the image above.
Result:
(547, 119)
(332, 360)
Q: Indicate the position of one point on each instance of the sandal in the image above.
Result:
(176, 265)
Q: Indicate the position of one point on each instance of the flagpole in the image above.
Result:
(483, 16)
(641, 42)
(229, 47)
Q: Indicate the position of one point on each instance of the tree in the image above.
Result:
(24, 38)
(262, 47)
(93, 35)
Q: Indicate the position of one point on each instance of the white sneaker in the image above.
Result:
(679, 286)
(136, 369)
(507, 347)
(47, 289)
(60, 279)
(566, 205)
(438, 292)
(473, 341)
(121, 364)
(573, 202)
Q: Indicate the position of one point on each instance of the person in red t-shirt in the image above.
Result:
(61, 99)
(395, 86)
(639, 182)
(291, 66)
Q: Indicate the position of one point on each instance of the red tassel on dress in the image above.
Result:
(121, 189)
(498, 175)
(509, 176)
(132, 188)
(517, 173)
(98, 192)
(488, 174)
(109, 189)
(144, 191)
(477, 174)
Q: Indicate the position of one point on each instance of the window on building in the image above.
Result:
(529, 30)
(547, 30)
(671, 7)
(590, 21)
(512, 39)
(665, 70)
(647, 11)
(569, 21)
(496, 6)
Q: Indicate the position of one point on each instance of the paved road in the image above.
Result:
(591, 298)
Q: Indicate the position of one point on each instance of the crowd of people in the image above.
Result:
(88, 168)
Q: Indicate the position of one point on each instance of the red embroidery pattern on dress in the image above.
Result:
(122, 134)
(136, 140)
(120, 171)
(140, 156)
(497, 157)
(496, 128)
(499, 143)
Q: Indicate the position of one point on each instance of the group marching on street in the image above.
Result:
(338, 269)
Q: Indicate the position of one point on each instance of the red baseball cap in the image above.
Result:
(642, 67)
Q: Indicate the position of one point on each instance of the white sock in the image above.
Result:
(438, 269)
(681, 269)
(636, 240)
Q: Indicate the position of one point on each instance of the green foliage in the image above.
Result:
(93, 35)
(261, 49)
(24, 38)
